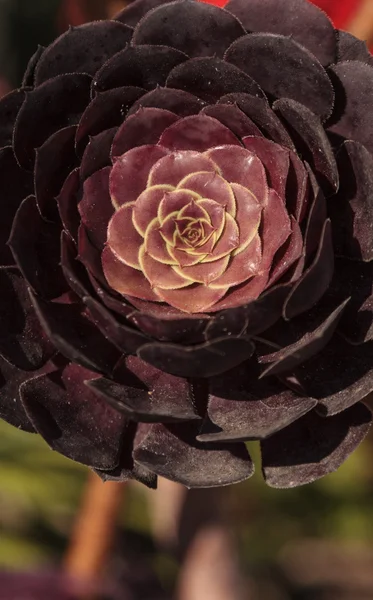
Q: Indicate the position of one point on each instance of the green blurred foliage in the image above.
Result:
(40, 492)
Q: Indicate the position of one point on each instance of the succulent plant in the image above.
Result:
(186, 243)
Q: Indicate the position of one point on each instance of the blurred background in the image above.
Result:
(246, 542)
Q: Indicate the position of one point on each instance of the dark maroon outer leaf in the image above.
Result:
(142, 128)
(22, 339)
(202, 360)
(36, 250)
(194, 28)
(352, 209)
(180, 329)
(57, 103)
(298, 19)
(75, 336)
(315, 280)
(96, 155)
(67, 203)
(252, 318)
(313, 446)
(96, 207)
(11, 407)
(264, 117)
(351, 48)
(137, 9)
(138, 66)
(28, 78)
(127, 468)
(146, 394)
(190, 462)
(339, 376)
(310, 138)
(54, 161)
(177, 101)
(310, 344)
(127, 340)
(82, 49)
(355, 280)
(73, 270)
(354, 96)
(15, 185)
(233, 118)
(9, 108)
(107, 110)
(210, 78)
(73, 419)
(286, 64)
(242, 408)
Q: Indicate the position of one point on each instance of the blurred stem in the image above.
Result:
(193, 525)
(94, 530)
(361, 25)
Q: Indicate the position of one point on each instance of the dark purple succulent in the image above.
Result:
(187, 192)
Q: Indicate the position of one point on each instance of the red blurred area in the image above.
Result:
(340, 11)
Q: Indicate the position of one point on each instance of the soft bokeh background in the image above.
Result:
(312, 543)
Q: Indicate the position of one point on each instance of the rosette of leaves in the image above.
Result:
(186, 243)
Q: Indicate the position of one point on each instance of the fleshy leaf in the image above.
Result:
(129, 176)
(54, 161)
(75, 336)
(204, 360)
(126, 339)
(123, 238)
(354, 96)
(194, 299)
(238, 165)
(313, 446)
(194, 28)
(351, 48)
(305, 348)
(67, 203)
(143, 127)
(177, 101)
(11, 407)
(96, 155)
(242, 408)
(15, 185)
(197, 132)
(82, 49)
(263, 116)
(298, 19)
(106, 110)
(9, 108)
(171, 169)
(138, 66)
(279, 64)
(211, 78)
(275, 159)
(95, 207)
(29, 238)
(73, 419)
(190, 462)
(150, 396)
(315, 280)
(352, 210)
(241, 266)
(57, 103)
(233, 118)
(275, 228)
(124, 279)
(22, 340)
(311, 140)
